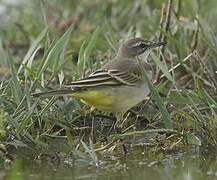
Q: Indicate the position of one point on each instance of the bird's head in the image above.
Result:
(137, 46)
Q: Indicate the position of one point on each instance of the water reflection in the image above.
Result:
(140, 165)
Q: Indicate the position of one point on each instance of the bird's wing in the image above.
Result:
(105, 78)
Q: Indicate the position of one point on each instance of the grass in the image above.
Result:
(42, 51)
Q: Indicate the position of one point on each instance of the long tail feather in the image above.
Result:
(53, 93)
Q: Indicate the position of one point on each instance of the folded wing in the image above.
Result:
(105, 78)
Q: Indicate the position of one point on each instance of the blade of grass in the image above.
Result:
(33, 48)
(163, 67)
(148, 131)
(54, 53)
(91, 152)
(14, 81)
(48, 105)
(84, 62)
(90, 46)
(165, 115)
(27, 118)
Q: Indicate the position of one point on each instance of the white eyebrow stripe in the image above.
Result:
(136, 44)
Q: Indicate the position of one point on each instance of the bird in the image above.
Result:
(118, 85)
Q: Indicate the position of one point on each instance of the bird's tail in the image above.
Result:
(53, 93)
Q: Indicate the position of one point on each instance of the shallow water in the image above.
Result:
(137, 165)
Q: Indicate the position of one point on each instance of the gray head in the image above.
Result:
(137, 46)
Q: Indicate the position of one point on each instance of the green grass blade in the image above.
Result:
(14, 82)
(53, 56)
(165, 115)
(27, 118)
(90, 47)
(32, 49)
(163, 67)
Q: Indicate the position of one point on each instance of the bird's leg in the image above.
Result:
(119, 130)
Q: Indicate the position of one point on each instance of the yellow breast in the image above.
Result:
(98, 99)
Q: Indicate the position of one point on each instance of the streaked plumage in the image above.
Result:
(111, 77)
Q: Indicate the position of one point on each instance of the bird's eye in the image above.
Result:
(142, 45)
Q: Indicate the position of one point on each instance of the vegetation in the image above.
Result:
(45, 44)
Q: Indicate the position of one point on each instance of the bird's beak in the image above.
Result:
(156, 44)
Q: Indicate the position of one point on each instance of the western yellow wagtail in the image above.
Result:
(118, 85)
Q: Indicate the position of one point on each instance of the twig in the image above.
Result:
(195, 36)
(206, 70)
(164, 27)
(149, 131)
(167, 21)
(194, 55)
(162, 22)
(178, 9)
(106, 146)
(176, 66)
